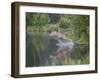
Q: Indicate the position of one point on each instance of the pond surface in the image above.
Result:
(41, 50)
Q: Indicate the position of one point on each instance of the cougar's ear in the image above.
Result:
(66, 33)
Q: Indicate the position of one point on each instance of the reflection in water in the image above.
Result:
(45, 50)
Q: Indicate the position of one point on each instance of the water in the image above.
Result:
(41, 50)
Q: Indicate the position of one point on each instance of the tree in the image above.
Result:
(81, 28)
(40, 19)
(29, 17)
(37, 20)
(64, 22)
(78, 25)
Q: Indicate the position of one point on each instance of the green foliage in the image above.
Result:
(29, 17)
(77, 25)
(81, 28)
(36, 19)
(54, 18)
(40, 19)
(64, 23)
